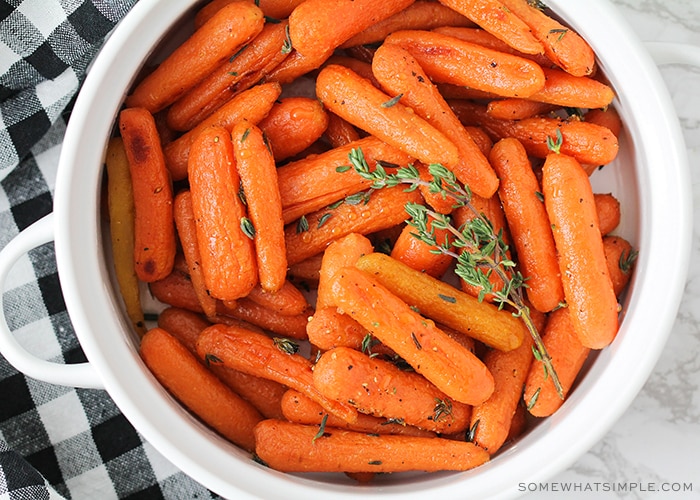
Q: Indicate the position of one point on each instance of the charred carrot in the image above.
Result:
(588, 290)
(227, 252)
(202, 52)
(262, 356)
(198, 389)
(420, 256)
(154, 229)
(608, 210)
(359, 102)
(290, 447)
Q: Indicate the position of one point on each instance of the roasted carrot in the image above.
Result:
(419, 255)
(198, 389)
(384, 209)
(447, 364)
(561, 44)
(359, 102)
(608, 117)
(588, 290)
(495, 18)
(176, 290)
(528, 223)
(444, 303)
(290, 447)
(563, 89)
(251, 105)
(227, 253)
(264, 394)
(293, 326)
(184, 325)
(306, 273)
(299, 409)
(359, 66)
(187, 233)
(154, 229)
(262, 356)
(327, 328)
(339, 132)
(275, 9)
(341, 253)
(377, 387)
(258, 178)
(250, 64)
(620, 256)
(451, 60)
(287, 301)
(481, 138)
(517, 109)
(435, 200)
(608, 210)
(202, 52)
(401, 75)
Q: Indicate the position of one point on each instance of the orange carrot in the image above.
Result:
(264, 394)
(420, 256)
(276, 9)
(620, 256)
(290, 447)
(293, 326)
(451, 60)
(587, 287)
(287, 301)
(359, 66)
(384, 209)
(563, 89)
(198, 389)
(359, 102)
(306, 272)
(517, 109)
(608, 209)
(227, 253)
(327, 328)
(481, 139)
(154, 230)
(377, 387)
(176, 290)
(528, 223)
(202, 52)
(260, 355)
(339, 132)
(258, 178)
(187, 232)
(400, 74)
(432, 353)
(251, 105)
(608, 117)
(183, 324)
(341, 253)
(495, 18)
(435, 200)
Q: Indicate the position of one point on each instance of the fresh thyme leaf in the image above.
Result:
(374, 462)
(392, 102)
(343, 168)
(471, 432)
(443, 409)
(561, 31)
(533, 399)
(238, 53)
(322, 220)
(241, 195)
(247, 227)
(540, 196)
(287, 45)
(211, 358)
(627, 260)
(321, 428)
(233, 73)
(447, 298)
(335, 205)
(368, 341)
(554, 144)
(285, 345)
(302, 224)
(245, 135)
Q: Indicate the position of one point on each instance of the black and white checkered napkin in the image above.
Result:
(56, 442)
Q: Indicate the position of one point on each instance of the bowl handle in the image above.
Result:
(73, 375)
(674, 53)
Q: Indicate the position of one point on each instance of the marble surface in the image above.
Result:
(655, 445)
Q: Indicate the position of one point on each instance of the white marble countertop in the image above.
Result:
(656, 443)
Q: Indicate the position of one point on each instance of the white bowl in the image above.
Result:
(650, 177)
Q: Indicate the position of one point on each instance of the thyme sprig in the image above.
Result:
(487, 252)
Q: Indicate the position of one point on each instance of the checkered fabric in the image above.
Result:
(56, 442)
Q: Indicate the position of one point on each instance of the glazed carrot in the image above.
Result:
(290, 447)
(435, 200)
(276, 9)
(314, 182)
(587, 142)
(588, 290)
(563, 89)
(339, 132)
(451, 60)
(444, 303)
(517, 109)
(327, 328)
(241, 71)
(227, 253)
(422, 15)
(384, 209)
(495, 18)
(294, 124)
(258, 178)
(176, 290)
(183, 324)
(568, 355)
(420, 256)
(359, 102)
(260, 355)
(120, 200)
(561, 44)
(528, 223)
(518, 423)
(608, 209)
(154, 230)
(620, 256)
(341, 253)
(400, 74)
(287, 301)
(608, 117)
(293, 66)
(187, 233)
(432, 353)
(264, 394)
(251, 105)
(359, 66)
(202, 52)
(481, 139)
(198, 389)
(293, 326)
(299, 409)
(377, 387)
(307, 271)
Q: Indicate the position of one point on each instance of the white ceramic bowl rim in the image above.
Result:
(598, 401)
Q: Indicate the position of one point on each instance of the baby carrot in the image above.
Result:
(227, 253)
(293, 326)
(290, 447)
(339, 132)
(154, 229)
(517, 109)
(202, 52)
(328, 328)
(528, 223)
(306, 272)
(608, 210)
(184, 325)
(620, 256)
(431, 352)
(275, 9)
(287, 301)
(341, 253)
(588, 290)
(264, 394)
(258, 178)
(419, 255)
(563, 89)
(608, 117)
(260, 355)
(198, 389)
(359, 102)
(377, 387)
